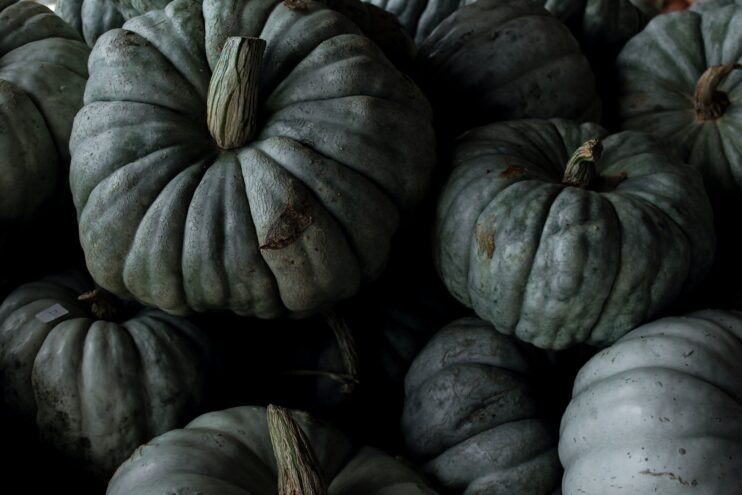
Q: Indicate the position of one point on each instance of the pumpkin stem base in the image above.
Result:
(580, 170)
(101, 304)
(710, 103)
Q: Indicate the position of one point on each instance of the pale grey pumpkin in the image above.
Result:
(660, 411)
(43, 69)
(680, 83)
(97, 386)
(288, 221)
(556, 260)
(505, 59)
(236, 452)
(472, 418)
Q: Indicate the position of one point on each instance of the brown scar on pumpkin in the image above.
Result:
(299, 5)
(291, 223)
(485, 240)
(513, 171)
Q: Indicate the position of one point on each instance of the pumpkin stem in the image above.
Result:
(232, 103)
(710, 103)
(580, 169)
(299, 472)
(101, 304)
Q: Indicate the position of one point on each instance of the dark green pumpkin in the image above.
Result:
(505, 59)
(43, 69)
(471, 416)
(289, 222)
(556, 262)
(95, 385)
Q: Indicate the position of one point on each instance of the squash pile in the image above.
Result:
(328, 247)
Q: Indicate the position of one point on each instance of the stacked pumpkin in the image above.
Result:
(265, 191)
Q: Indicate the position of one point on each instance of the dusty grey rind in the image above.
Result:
(556, 265)
(660, 411)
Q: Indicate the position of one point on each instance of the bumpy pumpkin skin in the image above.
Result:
(533, 66)
(556, 265)
(470, 415)
(660, 411)
(43, 69)
(345, 142)
(230, 452)
(658, 96)
(97, 389)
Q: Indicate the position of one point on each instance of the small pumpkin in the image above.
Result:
(660, 411)
(559, 234)
(283, 201)
(470, 415)
(95, 383)
(251, 450)
(505, 59)
(43, 69)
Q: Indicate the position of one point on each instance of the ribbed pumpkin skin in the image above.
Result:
(91, 18)
(97, 389)
(470, 414)
(556, 265)
(505, 59)
(43, 69)
(229, 453)
(660, 411)
(657, 92)
(345, 143)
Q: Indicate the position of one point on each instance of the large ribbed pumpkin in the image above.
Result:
(556, 243)
(659, 412)
(95, 384)
(43, 69)
(283, 197)
(251, 451)
(471, 416)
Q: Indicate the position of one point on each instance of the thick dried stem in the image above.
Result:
(348, 349)
(232, 103)
(711, 103)
(299, 472)
(101, 304)
(580, 170)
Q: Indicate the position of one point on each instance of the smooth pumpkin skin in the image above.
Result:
(502, 60)
(660, 411)
(230, 453)
(470, 415)
(657, 92)
(43, 69)
(557, 265)
(345, 144)
(97, 389)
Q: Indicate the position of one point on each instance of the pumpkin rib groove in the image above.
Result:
(535, 256)
(145, 389)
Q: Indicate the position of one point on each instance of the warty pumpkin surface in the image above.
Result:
(660, 411)
(558, 246)
(95, 385)
(289, 220)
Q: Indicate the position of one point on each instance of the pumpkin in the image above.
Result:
(558, 234)
(689, 100)
(704, 5)
(43, 69)
(471, 417)
(660, 411)
(97, 384)
(251, 450)
(505, 59)
(208, 216)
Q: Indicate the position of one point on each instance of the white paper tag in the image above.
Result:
(51, 313)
